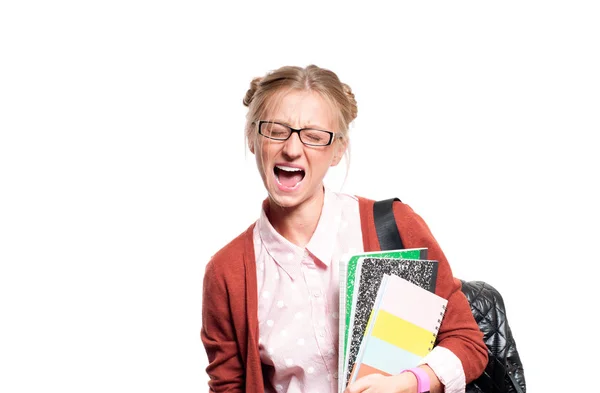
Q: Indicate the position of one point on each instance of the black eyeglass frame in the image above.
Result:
(294, 130)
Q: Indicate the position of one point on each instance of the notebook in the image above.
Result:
(368, 277)
(402, 328)
(347, 279)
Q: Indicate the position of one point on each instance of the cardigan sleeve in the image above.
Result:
(458, 332)
(218, 333)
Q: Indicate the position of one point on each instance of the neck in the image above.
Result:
(297, 224)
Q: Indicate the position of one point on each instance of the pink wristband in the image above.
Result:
(423, 382)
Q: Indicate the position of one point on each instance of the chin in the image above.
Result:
(290, 200)
(286, 201)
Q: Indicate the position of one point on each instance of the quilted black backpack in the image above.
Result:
(504, 372)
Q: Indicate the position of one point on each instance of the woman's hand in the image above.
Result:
(377, 383)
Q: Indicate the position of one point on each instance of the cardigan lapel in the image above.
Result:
(250, 354)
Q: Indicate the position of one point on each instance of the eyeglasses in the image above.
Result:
(281, 132)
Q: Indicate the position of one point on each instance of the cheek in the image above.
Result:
(320, 163)
(264, 152)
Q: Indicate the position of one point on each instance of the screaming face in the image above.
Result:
(291, 171)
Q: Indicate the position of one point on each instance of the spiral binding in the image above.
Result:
(437, 328)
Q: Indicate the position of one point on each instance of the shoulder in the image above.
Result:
(401, 209)
(228, 262)
(407, 219)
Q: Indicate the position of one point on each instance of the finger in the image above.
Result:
(362, 384)
(356, 387)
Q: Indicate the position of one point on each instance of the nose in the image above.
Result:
(292, 148)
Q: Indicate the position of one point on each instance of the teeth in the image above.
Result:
(288, 168)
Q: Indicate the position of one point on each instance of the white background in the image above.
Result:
(123, 168)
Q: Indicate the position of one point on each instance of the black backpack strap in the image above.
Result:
(385, 225)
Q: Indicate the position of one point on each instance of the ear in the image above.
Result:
(340, 149)
(250, 139)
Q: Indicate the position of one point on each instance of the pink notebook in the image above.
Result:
(401, 330)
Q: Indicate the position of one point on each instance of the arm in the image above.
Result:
(459, 332)
(218, 334)
(460, 353)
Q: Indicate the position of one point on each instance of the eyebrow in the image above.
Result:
(311, 126)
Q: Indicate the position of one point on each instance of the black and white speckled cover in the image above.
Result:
(419, 272)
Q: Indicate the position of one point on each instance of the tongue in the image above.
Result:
(289, 179)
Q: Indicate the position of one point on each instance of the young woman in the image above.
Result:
(270, 298)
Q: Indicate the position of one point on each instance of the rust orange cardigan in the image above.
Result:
(230, 306)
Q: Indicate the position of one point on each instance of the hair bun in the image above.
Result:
(351, 100)
(252, 90)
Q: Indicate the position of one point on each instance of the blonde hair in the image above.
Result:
(258, 98)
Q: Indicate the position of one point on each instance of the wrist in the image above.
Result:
(423, 382)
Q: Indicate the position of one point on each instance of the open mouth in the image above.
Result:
(288, 177)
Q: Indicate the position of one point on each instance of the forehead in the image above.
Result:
(301, 109)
